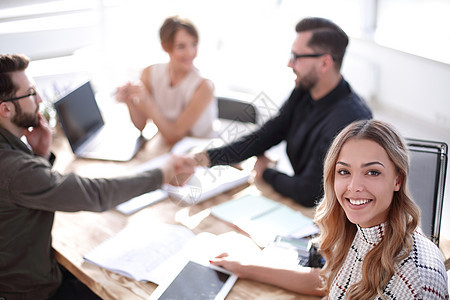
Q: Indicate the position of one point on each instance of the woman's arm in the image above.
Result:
(135, 97)
(301, 280)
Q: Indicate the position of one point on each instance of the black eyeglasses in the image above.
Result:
(295, 56)
(32, 93)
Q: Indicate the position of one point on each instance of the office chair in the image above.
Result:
(426, 182)
(237, 110)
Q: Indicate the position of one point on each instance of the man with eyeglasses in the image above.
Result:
(30, 193)
(321, 104)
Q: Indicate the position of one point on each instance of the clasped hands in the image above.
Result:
(178, 170)
(131, 93)
(261, 164)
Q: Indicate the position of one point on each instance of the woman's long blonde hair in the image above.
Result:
(336, 231)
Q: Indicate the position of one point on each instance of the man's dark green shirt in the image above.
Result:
(30, 193)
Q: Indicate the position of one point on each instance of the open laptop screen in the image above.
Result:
(79, 115)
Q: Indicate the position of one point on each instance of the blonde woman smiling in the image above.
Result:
(369, 227)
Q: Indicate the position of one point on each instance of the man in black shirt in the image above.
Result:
(321, 104)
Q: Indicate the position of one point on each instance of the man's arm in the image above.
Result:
(256, 143)
(33, 184)
(305, 187)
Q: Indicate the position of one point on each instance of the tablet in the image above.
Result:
(196, 281)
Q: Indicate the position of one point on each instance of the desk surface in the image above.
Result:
(74, 234)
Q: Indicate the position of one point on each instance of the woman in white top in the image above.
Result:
(173, 95)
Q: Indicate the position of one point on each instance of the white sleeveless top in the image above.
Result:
(171, 100)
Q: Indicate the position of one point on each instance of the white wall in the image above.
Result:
(411, 84)
(245, 48)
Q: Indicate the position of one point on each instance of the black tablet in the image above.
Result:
(196, 281)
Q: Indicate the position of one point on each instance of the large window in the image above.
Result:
(242, 42)
(420, 27)
(45, 29)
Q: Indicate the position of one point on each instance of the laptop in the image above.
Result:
(87, 133)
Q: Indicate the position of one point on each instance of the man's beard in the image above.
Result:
(25, 120)
(308, 81)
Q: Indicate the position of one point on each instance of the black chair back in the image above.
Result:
(426, 182)
(237, 110)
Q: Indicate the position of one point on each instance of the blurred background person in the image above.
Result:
(173, 95)
(320, 105)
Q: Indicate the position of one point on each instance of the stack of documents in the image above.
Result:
(204, 184)
(207, 183)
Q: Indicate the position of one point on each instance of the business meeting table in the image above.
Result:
(75, 234)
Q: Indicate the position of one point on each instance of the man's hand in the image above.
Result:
(178, 170)
(40, 138)
(261, 164)
(200, 159)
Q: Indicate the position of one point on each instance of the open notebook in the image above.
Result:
(160, 255)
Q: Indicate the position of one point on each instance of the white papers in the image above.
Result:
(152, 163)
(140, 249)
(201, 248)
(137, 203)
(205, 246)
(207, 183)
(150, 251)
(204, 184)
(187, 144)
(190, 276)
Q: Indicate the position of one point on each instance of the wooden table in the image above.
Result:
(74, 234)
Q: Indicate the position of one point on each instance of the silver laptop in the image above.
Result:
(88, 135)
